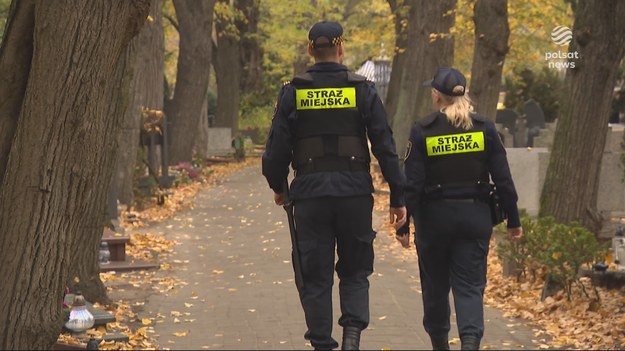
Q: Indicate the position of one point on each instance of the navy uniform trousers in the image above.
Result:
(321, 224)
(452, 238)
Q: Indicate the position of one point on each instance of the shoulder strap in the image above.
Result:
(478, 118)
(429, 119)
(355, 78)
(304, 78)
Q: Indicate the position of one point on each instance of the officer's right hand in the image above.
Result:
(398, 216)
(515, 233)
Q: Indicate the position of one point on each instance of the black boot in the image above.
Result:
(469, 343)
(439, 342)
(351, 338)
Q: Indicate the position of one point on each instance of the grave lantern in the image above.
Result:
(80, 319)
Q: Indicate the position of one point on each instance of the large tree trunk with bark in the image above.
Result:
(237, 59)
(147, 92)
(195, 20)
(572, 181)
(15, 56)
(430, 47)
(228, 70)
(491, 47)
(85, 265)
(401, 12)
(251, 52)
(57, 172)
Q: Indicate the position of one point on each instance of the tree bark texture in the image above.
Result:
(228, 67)
(491, 46)
(251, 52)
(85, 266)
(401, 11)
(572, 180)
(430, 46)
(195, 20)
(147, 91)
(15, 56)
(57, 163)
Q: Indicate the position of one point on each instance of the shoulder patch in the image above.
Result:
(408, 150)
(355, 78)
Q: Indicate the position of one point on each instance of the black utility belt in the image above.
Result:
(470, 200)
(333, 164)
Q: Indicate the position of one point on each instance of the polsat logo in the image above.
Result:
(561, 35)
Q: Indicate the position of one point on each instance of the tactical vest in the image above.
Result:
(454, 157)
(329, 128)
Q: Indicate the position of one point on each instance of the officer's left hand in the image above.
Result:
(398, 216)
(278, 198)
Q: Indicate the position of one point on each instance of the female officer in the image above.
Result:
(450, 157)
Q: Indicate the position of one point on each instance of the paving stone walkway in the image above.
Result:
(237, 289)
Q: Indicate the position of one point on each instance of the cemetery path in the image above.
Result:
(236, 288)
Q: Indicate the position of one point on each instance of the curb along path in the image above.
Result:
(237, 290)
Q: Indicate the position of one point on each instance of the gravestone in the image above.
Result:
(545, 138)
(535, 120)
(508, 119)
(220, 142)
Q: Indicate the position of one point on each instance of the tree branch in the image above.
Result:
(172, 21)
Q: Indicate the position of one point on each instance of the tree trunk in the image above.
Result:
(85, 265)
(572, 181)
(491, 47)
(400, 63)
(201, 140)
(15, 56)
(251, 52)
(52, 188)
(148, 91)
(195, 20)
(228, 70)
(431, 46)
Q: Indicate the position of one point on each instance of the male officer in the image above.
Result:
(320, 127)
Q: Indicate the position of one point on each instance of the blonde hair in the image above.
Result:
(458, 110)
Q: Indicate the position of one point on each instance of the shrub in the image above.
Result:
(556, 249)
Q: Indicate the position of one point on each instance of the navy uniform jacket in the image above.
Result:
(279, 148)
(497, 167)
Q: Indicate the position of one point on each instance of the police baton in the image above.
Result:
(297, 263)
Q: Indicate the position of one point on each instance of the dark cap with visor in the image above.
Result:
(331, 31)
(448, 81)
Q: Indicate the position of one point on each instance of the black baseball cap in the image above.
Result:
(332, 31)
(448, 81)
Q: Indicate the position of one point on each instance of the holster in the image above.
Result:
(497, 213)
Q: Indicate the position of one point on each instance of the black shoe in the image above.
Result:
(351, 338)
(469, 343)
(439, 342)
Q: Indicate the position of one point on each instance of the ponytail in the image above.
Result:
(458, 110)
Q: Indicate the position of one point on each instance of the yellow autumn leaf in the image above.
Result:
(146, 321)
(179, 334)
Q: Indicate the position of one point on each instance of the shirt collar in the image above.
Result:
(326, 66)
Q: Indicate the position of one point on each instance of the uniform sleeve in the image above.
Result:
(500, 174)
(414, 169)
(383, 145)
(279, 147)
